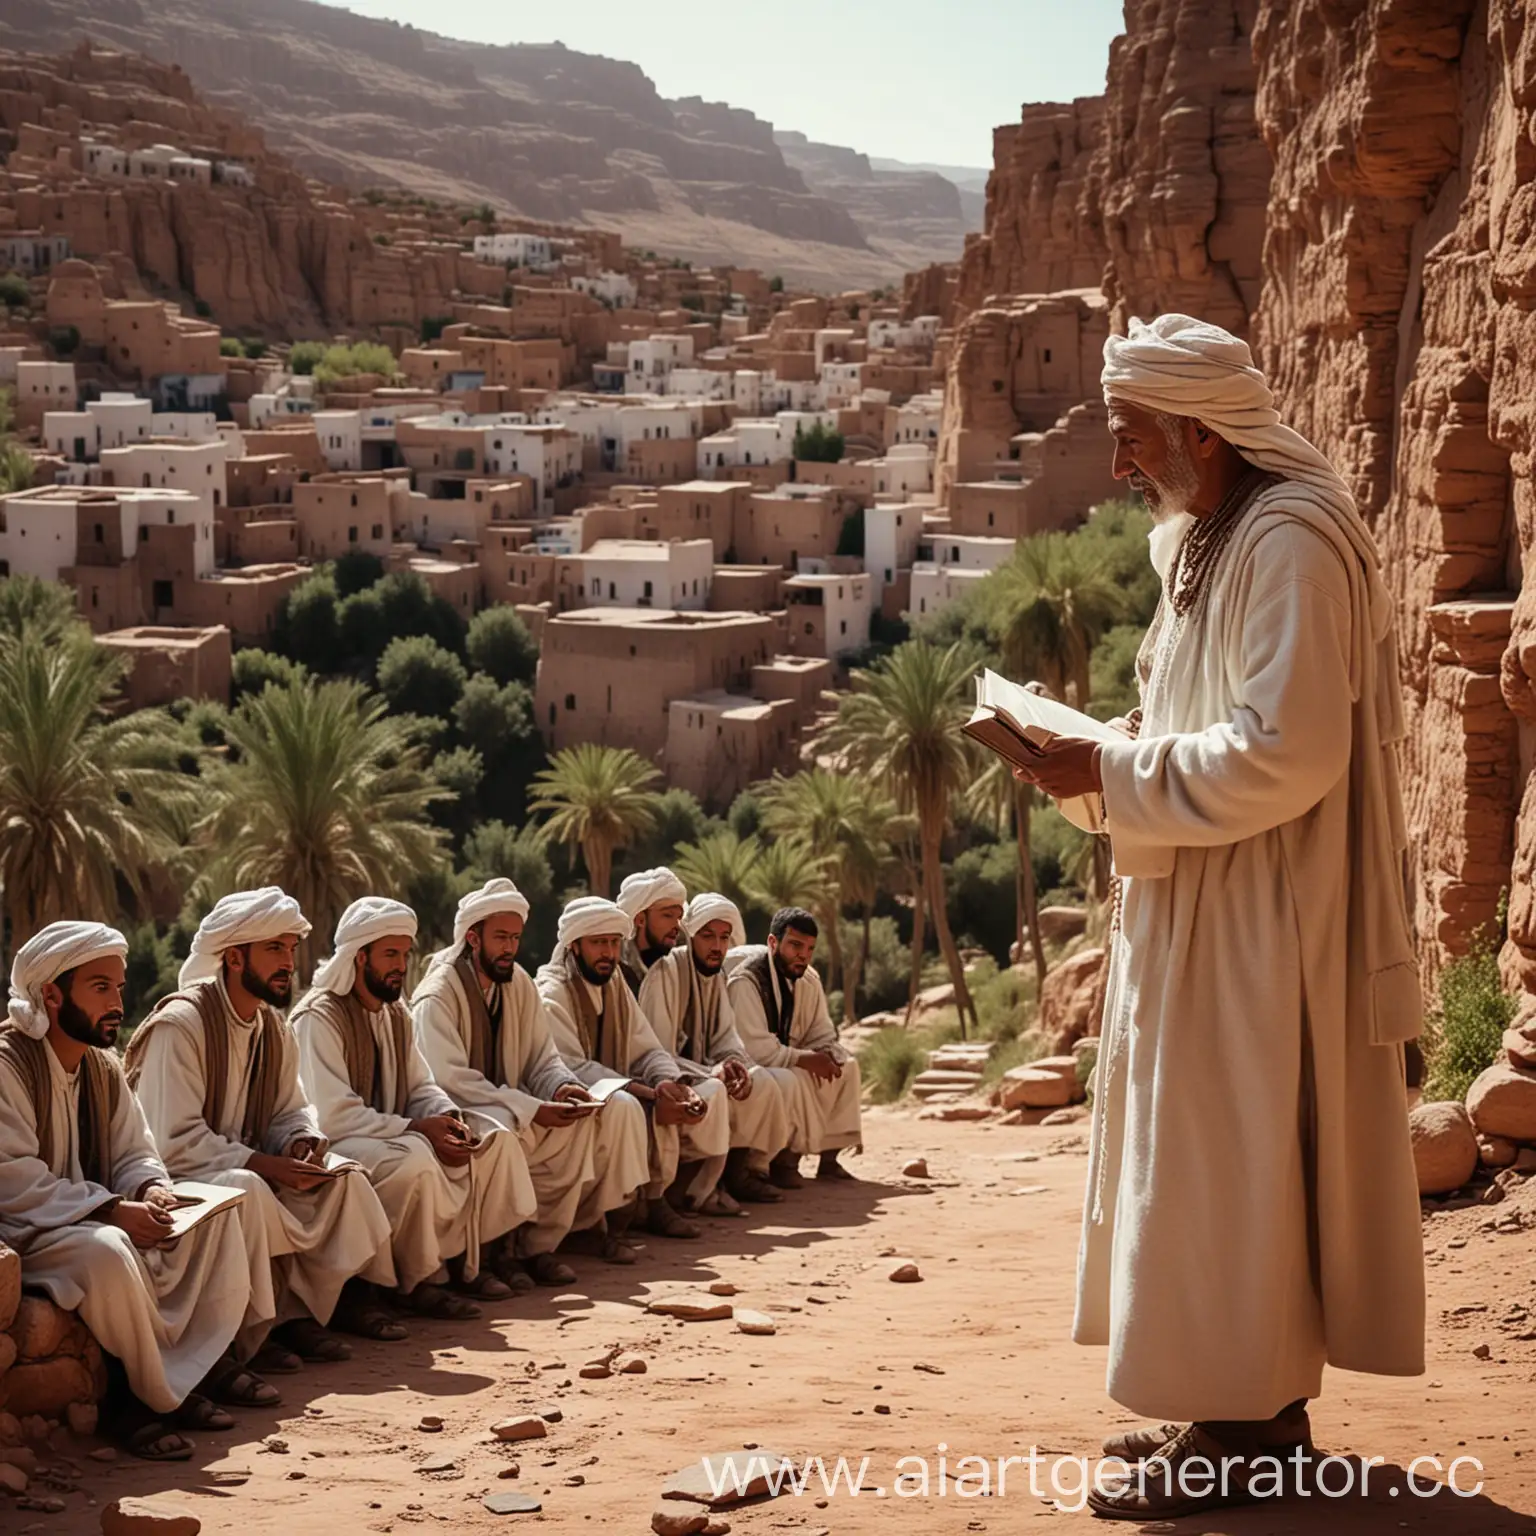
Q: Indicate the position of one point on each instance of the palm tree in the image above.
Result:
(837, 815)
(86, 801)
(901, 726)
(1000, 799)
(1051, 603)
(325, 794)
(790, 874)
(18, 469)
(45, 609)
(720, 862)
(599, 799)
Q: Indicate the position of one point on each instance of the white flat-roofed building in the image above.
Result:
(643, 573)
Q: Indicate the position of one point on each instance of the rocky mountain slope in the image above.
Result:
(541, 131)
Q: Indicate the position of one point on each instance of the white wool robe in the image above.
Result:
(639, 1058)
(1252, 1210)
(167, 1314)
(823, 1116)
(580, 1172)
(760, 1122)
(316, 1241)
(436, 1213)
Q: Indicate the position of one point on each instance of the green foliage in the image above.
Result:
(152, 962)
(720, 861)
(230, 346)
(883, 976)
(499, 643)
(251, 670)
(598, 799)
(382, 237)
(64, 340)
(791, 873)
(982, 884)
(1112, 672)
(850, 537)
(255, 347)
(433, 326)
(305, 356)
(410, 607)
(375, 196)
(306, 627)
(418, 677)
(746, 813)
(355, 571)
(1087, 1060)
(818, 444)
(347, 359)
(775, 284)
(202, 309)
(494, 718)
(889, 1061)
(679, 820)
(15, 292)
(44, 609)
(18, 469)
(360, 625)
(1466, 1033)
(692, 301)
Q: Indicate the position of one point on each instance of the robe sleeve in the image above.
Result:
(544, 1071)
(135, 1158)
(424, 1095)
(819, 1034)
(293, 1116)
(647, 1060)
(341, 1111)
(759, 1041)
(437, 1015)
(171, 1092)
(658, 1001)
(1288, 741)
(567, 1038)
(726, 1042)
(32, 1197)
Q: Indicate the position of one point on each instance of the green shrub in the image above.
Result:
(499, 643)
(306, 624)
(433, 326)
(229, 346)
(356, 570)
(419, 677)
(251, 670)
(305, 356)
(255, 347)
(202, 309)
(64, 339)
(1464, 1035)
(818, 445)
(888, 1062)
(775, 284)
(15, 292)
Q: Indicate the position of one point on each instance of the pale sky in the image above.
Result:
(923, 80)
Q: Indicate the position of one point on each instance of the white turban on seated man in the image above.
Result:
(448, 1187)
(217, 1069)
(86, 1202)
(1252, 1211)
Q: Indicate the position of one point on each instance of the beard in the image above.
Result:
(386, 988)
(790, 970)
(276, 989)
(596, 972)
(1169, 494)
(79, 1025)
(498, 970)
(708, 967)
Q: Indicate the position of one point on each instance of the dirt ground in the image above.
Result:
(974, 1361)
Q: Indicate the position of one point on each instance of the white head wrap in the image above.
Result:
(650, 888)
(47, 955)
(498, 895)
(243, 917)
(711, 907)
(369, 918)
(589, 916)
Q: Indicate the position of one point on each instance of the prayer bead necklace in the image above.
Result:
(1207, 539)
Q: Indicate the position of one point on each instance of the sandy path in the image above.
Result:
(994, 1233)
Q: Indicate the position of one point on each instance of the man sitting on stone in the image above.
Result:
(654, 900)
(446, 1188)
(685, 998)
(86, 1201)
(782, 1017)
(481, 1025)
(217, 1070)
(607, 1041)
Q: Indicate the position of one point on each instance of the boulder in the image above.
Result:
(1072, 999)
(147, 1517)
(48, 1387)
(1033, 1088)
(10, 1285)
(1520, 1047)
(7, 1358)
(1444, 1146)
(1058, 924)
(748, 1321)
(739, 1475)
(1502, 1102)
(1495, 1151)
(41, 1329)
(525, 1427)
(932, 999)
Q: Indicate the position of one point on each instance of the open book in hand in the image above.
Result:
(195, 1203)
(1014, 723)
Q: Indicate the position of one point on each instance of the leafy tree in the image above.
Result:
(419, 677)
(361, 626)
(790, 873)
(818, 444)
(461, 771)
(850, 537)
(251, 670)
(325, 794)
(775, 284)
(746, 814)
(15, 292)
(679, 819)
(305, 356)
(499, 643)
(723, 862)
(255, 347)
(356, 570)
(597, 799)
(18, 469)
(43, 609)
(493, 718)
(306, 627)
(411, 607)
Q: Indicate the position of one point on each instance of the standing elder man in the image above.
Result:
(1252, 1212)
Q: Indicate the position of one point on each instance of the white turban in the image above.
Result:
(244, 917)
(498, 895)
(369, 918)
(711, 907)
(650, 888)
(46, 956)
(589, 916)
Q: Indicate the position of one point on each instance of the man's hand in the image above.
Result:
(677, 1103)
(736, 1077)
(1067, 767)
(286, 1172)
(147, 1225)
(820, 1064)
(307, 1151)
(161, 1196)
(642, 1091)
(452, 1144)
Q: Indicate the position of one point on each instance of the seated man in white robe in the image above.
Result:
(686, 999)
(606, 1040)
(446, 1187)
(783, 1019)
(654, 900)
(481, 1025)
(217, 1070)
(86, 1202)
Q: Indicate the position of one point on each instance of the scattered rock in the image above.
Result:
(916, 1169)
(509, 1471)
(739, 1475)
(932, 1370)
(1482, 1352)
(1496, 1152)
(438, 1464)
(103, 1453)
(716, 1528)
(1493, 1194)
(1502, 1102)
(1030, 1189)
(147, 1517)
(1444, 1146)
(1034, 1087)
(575, 1480)
(12, 1479)
(949, 1113)
(904, 1273)
(81, 1418)
(596, 1371)
(511, 1504)
(721, 1288)
(552, 1413)
(631, 1365)
(691, 1309)
(431, 1423)
(526, 1427)
(1525, 1160)
(1069, 1116)
(882, 1407)
(230, 1477)
(22, 1456)
(748, 1321)
(676, 1522)
(275, 1445)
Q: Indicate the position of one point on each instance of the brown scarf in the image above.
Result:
(700, 1015)
(263, 1071)
(604, 1036)
(364, 1068)
(780, 1016)
(101, 1095)
(484, 1026)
